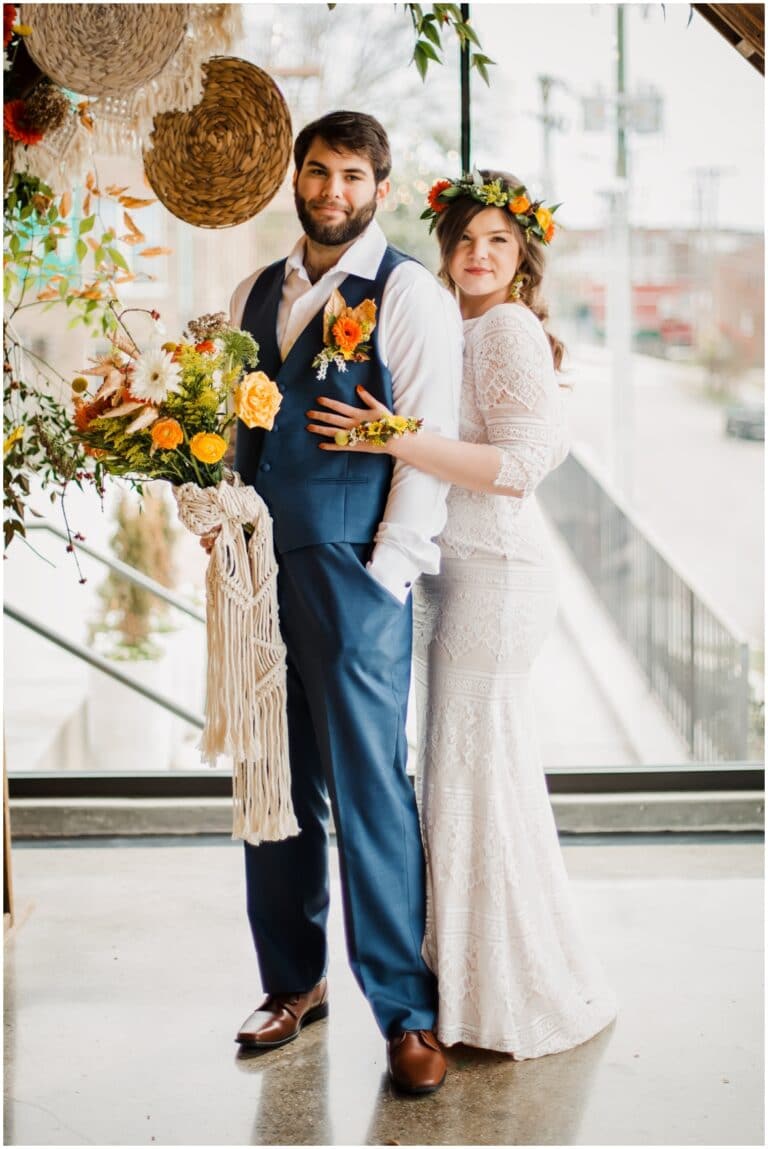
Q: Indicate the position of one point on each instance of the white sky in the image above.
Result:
(713, 107)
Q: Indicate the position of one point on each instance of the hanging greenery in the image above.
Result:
(56, 255)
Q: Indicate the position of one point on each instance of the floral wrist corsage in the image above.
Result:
(378, 431)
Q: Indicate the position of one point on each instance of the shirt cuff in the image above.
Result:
(394, 570)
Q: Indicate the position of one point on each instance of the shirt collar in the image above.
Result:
(361, 259)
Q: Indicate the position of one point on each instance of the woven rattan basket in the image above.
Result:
(103, 49)
(222, 162)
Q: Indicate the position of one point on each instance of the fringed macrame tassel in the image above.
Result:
(245, 713)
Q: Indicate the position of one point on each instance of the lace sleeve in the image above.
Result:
(519, 398)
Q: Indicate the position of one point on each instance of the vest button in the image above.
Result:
(265, 467)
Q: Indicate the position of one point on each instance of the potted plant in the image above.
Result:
(127, 731)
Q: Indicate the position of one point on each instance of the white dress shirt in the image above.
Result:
(420, 341)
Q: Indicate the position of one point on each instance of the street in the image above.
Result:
(699, 492)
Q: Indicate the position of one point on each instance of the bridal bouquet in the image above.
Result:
(163, 412)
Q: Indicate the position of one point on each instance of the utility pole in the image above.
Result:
(619, 295)
(466, 163)
(549, 124)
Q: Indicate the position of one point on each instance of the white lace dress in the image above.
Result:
(513, 970)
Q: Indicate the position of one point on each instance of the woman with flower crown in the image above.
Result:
(514, 971)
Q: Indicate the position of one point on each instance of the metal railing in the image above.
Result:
(695, 662)
(106, 666)
(102, 664)
(127, 572)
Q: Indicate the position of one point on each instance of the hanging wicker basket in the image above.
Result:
(222, 162)
(103, 49)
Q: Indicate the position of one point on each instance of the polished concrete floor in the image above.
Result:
(129, 968)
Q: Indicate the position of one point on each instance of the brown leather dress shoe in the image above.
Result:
(416, 1062)
(281, 1017)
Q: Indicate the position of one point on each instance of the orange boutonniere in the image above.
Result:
(346, 331)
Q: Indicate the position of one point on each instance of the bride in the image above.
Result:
(514, 971)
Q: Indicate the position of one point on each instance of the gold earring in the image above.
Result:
(516, 288)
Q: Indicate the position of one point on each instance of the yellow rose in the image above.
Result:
(257, 400)
(207, 447)
(543, 218)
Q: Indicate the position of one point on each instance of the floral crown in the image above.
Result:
(535, 219)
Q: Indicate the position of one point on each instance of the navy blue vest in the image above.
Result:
(314, 496)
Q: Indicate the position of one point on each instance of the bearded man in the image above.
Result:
(352, 533)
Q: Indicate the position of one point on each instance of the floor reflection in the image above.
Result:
(489, 1099)
(293, 1100)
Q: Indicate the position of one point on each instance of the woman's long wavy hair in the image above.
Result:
(451, 225)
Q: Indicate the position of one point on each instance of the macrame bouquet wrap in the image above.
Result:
(245, 711)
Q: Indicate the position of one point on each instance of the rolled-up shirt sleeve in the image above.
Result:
(421, 342)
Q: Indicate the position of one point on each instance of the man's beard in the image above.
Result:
(334, 234)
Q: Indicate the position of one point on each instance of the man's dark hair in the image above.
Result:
(347, 132)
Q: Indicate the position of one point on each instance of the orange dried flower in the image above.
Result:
(434, 192)
(348, 333)
(85, 413)
(549, 233)
(207, 347)
(166, 434)
(17, 124)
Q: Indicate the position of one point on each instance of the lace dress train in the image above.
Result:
(514, 972)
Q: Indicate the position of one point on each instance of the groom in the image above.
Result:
(351, 536)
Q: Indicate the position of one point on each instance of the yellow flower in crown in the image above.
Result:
(544, 218)
(346, 331)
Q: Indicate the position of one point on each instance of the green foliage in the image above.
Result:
(429, 21)
(240, 346)
(51, 259)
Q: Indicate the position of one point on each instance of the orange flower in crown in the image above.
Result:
(434, 193)
(519, 204)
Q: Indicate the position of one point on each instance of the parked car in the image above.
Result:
(745, 420)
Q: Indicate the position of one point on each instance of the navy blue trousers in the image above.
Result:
(349, 656)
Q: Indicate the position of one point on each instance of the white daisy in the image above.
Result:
(154, 375)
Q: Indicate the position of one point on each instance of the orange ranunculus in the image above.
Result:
(257, 400)
(434, 192)
(549, 233)
(348, 334)
(17, 125)
(519, 205)
(208, 447)
(166, 435)
(207, 346)
(544, 218)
